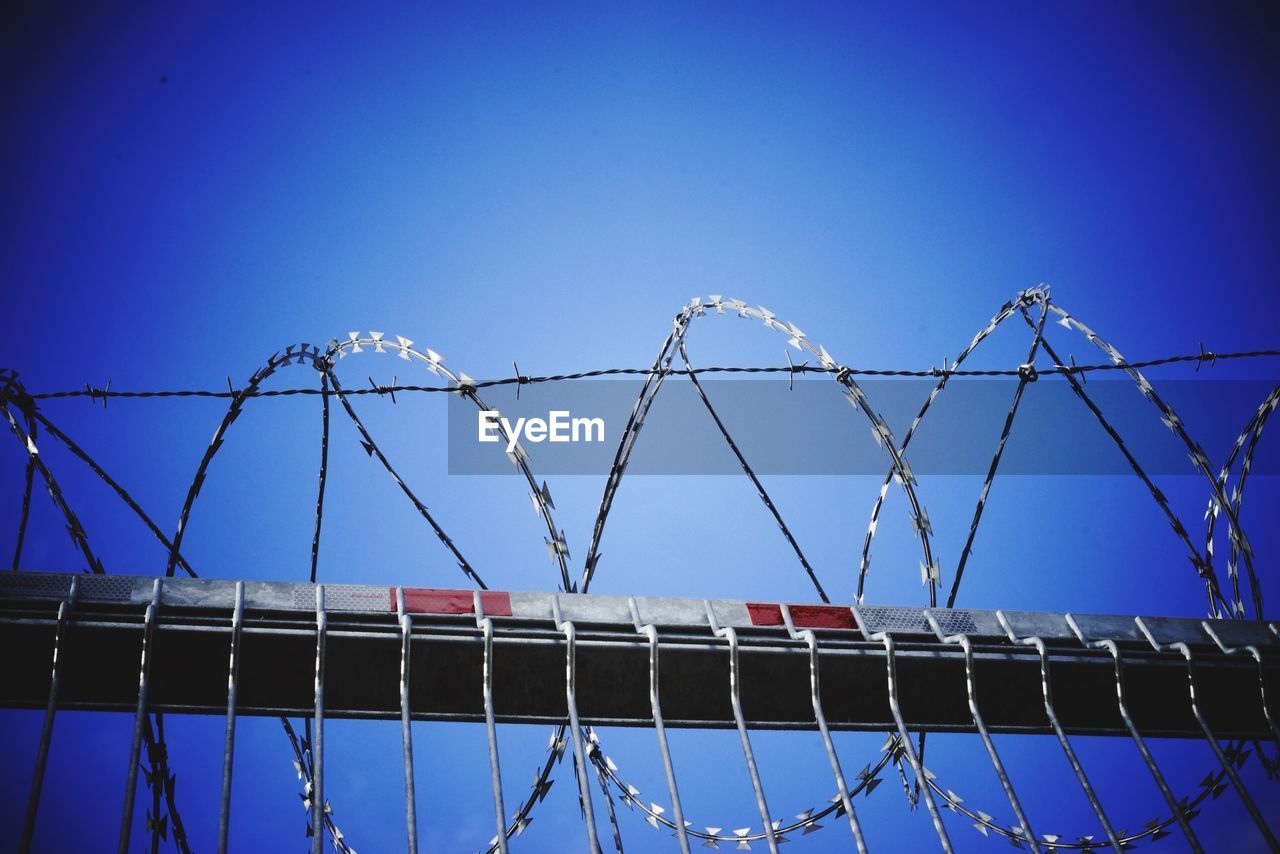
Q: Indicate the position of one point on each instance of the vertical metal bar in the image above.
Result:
(406, 733)
(228, 749)
(815, 694)
(1262, 682)
(971, 688)
(135, 750)
(735, 695)
(495, 772)
(649, 630)
(575, 728)
(912, 758)
(1092, 796)
(1262, 694)
(1047, 688)
(46, 729)
(1169, 798)
(1227, 764)
(1121, 698)
(317, 737)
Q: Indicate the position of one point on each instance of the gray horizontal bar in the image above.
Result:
(193, 628)
(901, 621)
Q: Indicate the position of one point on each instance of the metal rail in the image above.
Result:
(363, 638)
(771, 655)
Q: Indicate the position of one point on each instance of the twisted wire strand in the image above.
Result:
(655, 814)
(648, 393)
(614, 827)
(718, 305)
(163, 786)
(1179, 530)
(8, 383)
(1033, 295)
(238, 401)
(119, 490)
(755, 481)
(1251, 433)
(1201, 358)
(28, 484)
(154, 776)
(304, 354)
(323, 477)
(1155, 829)
(466, 387)
(1239, 545)
(999, 453)
(371, 447)
(1197, 455)
(170, 791)
(302, 766)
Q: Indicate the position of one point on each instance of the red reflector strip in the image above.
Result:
(765, 615)
(424, 600)
(804, 616)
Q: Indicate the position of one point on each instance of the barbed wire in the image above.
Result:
(1201, 359)
(899, 471)
(163, 817)
(324, 361)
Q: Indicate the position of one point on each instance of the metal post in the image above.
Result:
(135, 750)
(735, 695)
(972, 691)
(318, 805)
(1047, 687)
(811, 639)
(228, 749)
(406, 733)
(649, 630)
(495, 772)
(46, 729)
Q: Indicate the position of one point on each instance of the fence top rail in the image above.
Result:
(661, 611)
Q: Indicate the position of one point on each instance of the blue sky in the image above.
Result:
(191, 190)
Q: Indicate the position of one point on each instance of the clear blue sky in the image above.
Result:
(189, 190)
